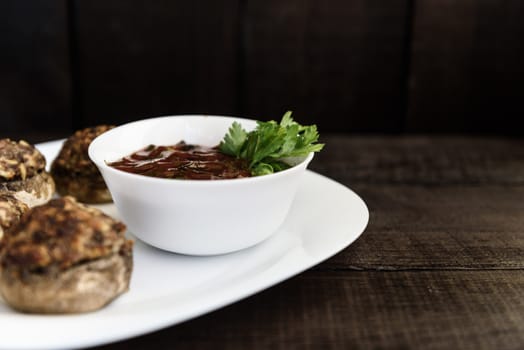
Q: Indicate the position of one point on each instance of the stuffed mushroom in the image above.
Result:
(75, 174)
(23, 174)
(64, 257)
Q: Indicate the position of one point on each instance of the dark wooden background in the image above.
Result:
(360, 66)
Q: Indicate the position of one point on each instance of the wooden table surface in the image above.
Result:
(440, 265)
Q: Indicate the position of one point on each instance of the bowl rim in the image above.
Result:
(101, 163)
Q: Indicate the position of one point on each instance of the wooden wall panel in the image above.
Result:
(338, 63)
(343, 65)
(145, 58)
(467, 67)
(35, 87)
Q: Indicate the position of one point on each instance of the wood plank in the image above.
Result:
(144, 59)
(435, 203)
(337, 64)
(364, 310)
(421, 160)
(467, 68)
(35, 89)
(443, 228)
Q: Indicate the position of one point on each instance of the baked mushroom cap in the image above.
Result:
(22, 173)
(19, 160)
(75, 174)
(11, 209)
(64, 257)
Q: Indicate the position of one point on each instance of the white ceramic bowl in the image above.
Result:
(196, 217)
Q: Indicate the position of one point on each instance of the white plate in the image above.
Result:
(168, 288)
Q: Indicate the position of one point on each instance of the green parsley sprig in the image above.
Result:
(266, 147)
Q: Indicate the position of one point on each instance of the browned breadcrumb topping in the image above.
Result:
(62, 233)
(73, 157)
(19, 160)
(11, 209)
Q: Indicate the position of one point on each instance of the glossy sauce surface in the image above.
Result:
(183, 161)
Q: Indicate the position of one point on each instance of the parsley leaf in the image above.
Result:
(234, 140)
(269, 143)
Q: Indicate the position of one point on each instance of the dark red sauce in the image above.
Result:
(183, 161)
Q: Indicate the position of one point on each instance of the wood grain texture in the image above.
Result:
(160, 58)
(336, 64)
(363, 310)
(35, 88)
(422, 160)
(444, 228)
(466, 71)
(435, 203)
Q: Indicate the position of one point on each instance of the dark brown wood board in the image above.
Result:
(442, 228)
(364, 310)
(155, 58)
(35, 84)
(338, 64)
(466, 67)
(421, 160)
(252, 58)
(359, 66)
(435, 203)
